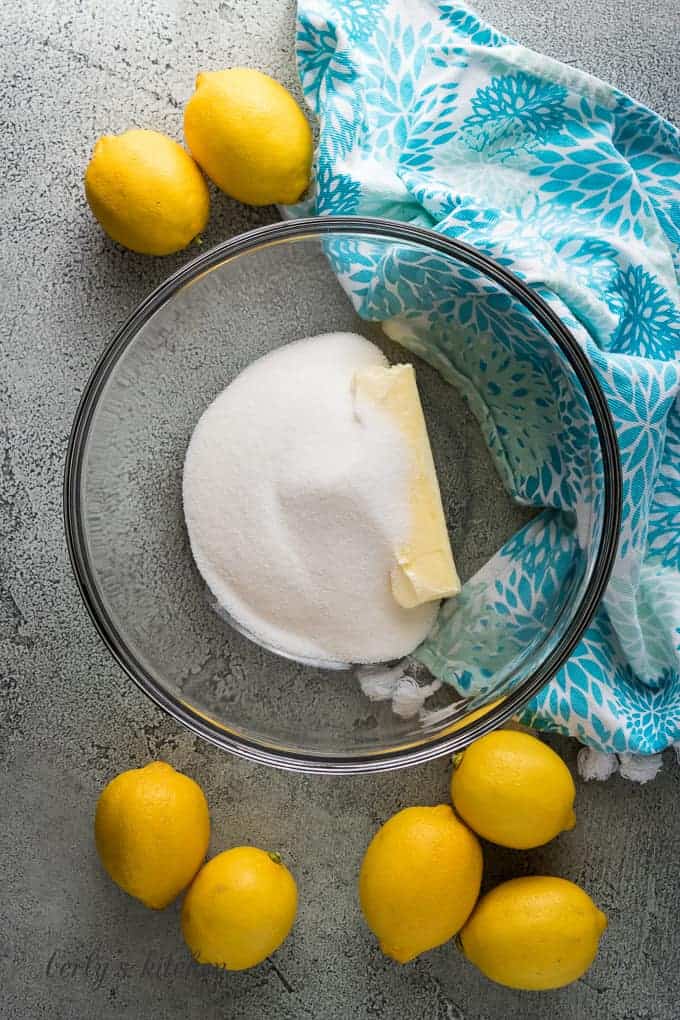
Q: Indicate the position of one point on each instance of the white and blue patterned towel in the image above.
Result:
(428, 115)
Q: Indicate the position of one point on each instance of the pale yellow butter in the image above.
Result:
(425, 568)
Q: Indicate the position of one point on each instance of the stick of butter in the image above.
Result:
(425, 568)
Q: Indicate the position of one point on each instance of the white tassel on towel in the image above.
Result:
(599, 765)
(394, 684)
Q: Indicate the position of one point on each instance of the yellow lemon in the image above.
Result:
(513, 790)
(249, 135)
(152, 830)
(534, 933)
(146, 192)
(240, 908)
(419, 880)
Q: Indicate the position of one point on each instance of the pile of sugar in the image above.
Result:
(295, 501)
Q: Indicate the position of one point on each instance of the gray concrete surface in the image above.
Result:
(71, 945)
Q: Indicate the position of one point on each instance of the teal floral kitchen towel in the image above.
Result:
(430, 116)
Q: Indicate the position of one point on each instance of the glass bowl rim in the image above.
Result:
(298, 761)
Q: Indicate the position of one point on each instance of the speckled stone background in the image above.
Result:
(71, 945)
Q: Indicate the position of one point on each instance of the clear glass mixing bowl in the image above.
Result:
(123, 509)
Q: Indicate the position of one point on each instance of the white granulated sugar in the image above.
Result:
(295, 506)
